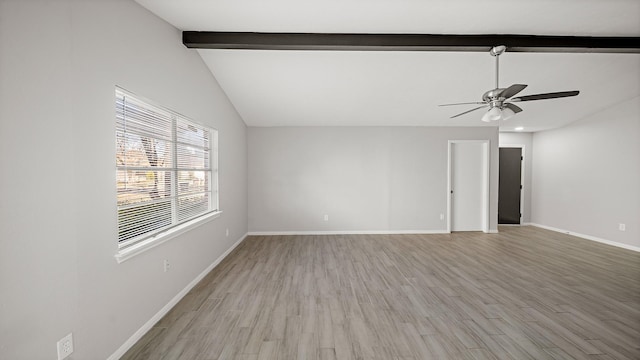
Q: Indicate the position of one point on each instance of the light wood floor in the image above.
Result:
(525, 293)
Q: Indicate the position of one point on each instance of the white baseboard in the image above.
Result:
(149, 324)
(348, 232)
(588, 237)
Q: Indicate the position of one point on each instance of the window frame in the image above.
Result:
(139, 243)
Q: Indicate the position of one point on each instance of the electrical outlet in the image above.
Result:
(167, 266)
(227, 232)
(326, 217)
(65, 346)
(441, 216)
(622, 227)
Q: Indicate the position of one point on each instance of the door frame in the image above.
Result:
(486, 150)
(522, 181)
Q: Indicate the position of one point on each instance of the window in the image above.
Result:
(166, 169)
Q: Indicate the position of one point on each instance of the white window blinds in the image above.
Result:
(164, 169)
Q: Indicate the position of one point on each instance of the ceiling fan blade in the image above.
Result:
(545, 96)
(512, 90)
(516, 109)
(465, 103)
(468, 111)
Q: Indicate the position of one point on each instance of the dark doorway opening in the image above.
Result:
(510, 185)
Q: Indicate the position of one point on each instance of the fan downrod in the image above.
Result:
(496, 51)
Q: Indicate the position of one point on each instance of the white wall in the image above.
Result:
(385, 179)
(525, 139)
(60, 61)
(586, 175)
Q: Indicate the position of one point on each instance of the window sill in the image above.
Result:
(139, 248)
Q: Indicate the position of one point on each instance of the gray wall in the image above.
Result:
(59, 63)
(525, 139)
(586, 175)
(364, 178)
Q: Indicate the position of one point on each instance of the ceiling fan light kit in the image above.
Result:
(500, 100)
(496, 114)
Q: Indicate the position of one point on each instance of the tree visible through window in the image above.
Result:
(166, 169)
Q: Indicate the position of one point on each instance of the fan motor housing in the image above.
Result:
(492, 95)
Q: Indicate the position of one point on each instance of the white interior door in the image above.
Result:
(468, 185)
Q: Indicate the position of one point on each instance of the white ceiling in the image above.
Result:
(376, 88)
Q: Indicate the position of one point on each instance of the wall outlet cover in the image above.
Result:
(65, 346)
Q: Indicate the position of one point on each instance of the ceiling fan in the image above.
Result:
(500, 100)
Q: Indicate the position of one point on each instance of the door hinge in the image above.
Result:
(520, 187)
(521, 158)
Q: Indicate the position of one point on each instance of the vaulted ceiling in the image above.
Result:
(404, 88)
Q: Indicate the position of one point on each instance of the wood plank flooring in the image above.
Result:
(525, 293)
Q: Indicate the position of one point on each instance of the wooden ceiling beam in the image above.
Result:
(407, 42)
